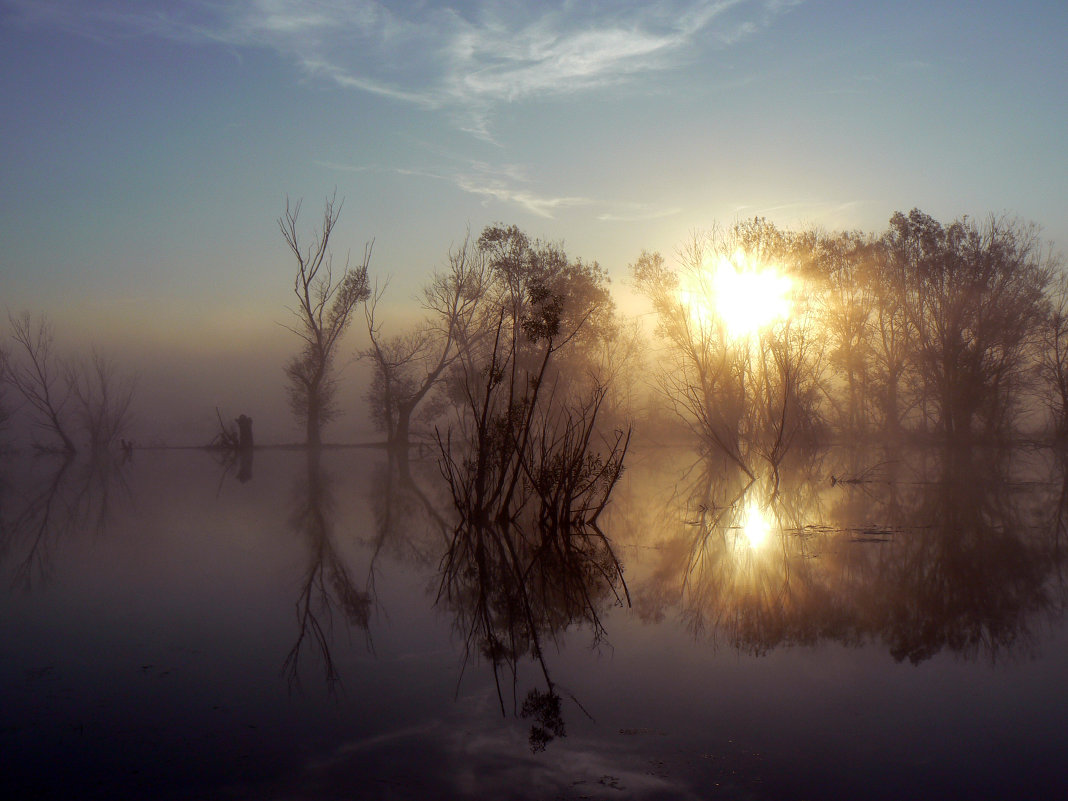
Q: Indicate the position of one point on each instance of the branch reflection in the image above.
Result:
(514, 588)
(326, 582)
(923, 552)
(61, 498)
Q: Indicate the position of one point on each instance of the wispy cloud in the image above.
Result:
(506, 184)
(510, 184)
(637, 212)
(465, 58)
(541, 205)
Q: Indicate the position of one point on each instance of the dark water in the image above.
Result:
(861, 625)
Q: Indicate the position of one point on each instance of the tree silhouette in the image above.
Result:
(407, 367)
(39, 377)
(1053, 357)
(975, 296)
(323, 312)
(745, 397)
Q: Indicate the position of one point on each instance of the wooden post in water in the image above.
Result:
(244, 448)
(244, 433)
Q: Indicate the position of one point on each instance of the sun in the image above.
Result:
(756, 525)
(744, 297)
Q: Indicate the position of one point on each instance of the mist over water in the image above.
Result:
(175, 632)
(764, 546)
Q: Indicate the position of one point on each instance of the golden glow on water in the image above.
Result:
(743, 296)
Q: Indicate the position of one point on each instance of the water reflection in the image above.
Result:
(941, 550)
(326, 584)
(52, 500)
(514, 588)
(409, 519)
(970, 571)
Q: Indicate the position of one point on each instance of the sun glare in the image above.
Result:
(744, 297)
(757, 526)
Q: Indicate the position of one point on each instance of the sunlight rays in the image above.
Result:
(744, 297)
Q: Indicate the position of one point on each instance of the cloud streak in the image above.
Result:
(509, 184)
(466, 59)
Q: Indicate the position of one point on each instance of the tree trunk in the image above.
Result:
(312, 437)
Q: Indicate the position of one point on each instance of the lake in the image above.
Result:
(863, 624)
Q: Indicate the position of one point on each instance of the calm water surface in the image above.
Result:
(862, 625)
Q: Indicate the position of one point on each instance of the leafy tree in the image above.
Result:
(322, 312)
(974, 294)
(849, 301)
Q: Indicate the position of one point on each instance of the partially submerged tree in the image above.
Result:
(740, 366)
(323, 312)
(1053, 357)
(527, 433)
(38, 375)
(531, 470)
(408, 366)
(5, 413)
(103, 400)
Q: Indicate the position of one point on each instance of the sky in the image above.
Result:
(149, 147)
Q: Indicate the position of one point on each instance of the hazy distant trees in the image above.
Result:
(848, 313)
(103, 399)
(1053, 356)
(323, 312)
(38, 375)
(408, 366)
(974, 296)
(5, 413)
(928, 328)
(67, 398)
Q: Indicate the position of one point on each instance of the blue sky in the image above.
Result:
(149, 146)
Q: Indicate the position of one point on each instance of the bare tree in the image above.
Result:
(743, 396)
(103, 399)
(323, 312)
(5, 413)
(1053, 356)
(408, 366)
(38, 376)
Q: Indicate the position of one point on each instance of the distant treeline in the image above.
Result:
(957, 330)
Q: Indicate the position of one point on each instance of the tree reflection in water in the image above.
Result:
(70, 498)
(514, 587)
(326, 583)
(407, 524)
(945, 549)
